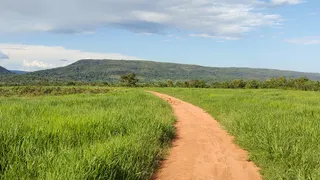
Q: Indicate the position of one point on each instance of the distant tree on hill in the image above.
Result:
(129, 80)
(170, 83)
(194, 83)
(197, 83)
(300, 83)
(203, 84)
(179, 84)
(186, 84)
(252, 84)
(238, 83)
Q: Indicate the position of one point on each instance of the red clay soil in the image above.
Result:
(202, 149)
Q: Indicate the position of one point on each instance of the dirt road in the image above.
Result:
(202, 150)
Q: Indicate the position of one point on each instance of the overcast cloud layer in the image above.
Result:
(228, 19)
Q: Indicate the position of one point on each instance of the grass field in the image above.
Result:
(116, 135)
(280, 129)
(52, 90)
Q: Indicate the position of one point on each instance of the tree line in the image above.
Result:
(131, 80)
(302, 83)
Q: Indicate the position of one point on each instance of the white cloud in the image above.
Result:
(36, 64)
(34, 57)
(282, 2)
(226, 18)
(310, 40)
(214, 37)
(151, 16)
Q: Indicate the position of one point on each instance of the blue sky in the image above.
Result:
(279, 34)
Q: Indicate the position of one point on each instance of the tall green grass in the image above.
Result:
(51, 90)
(280, 129)
(118, 135)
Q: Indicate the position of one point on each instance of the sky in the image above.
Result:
(277, 34)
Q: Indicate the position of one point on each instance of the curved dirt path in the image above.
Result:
(202, 150)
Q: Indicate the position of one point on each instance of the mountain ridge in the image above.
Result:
(106, 70)
(4, 71)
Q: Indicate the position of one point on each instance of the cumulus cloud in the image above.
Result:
(3, 56)
(36, 64)
(225, 18)
(35, 57)
(282, 2)
(214, 37)
(311, 40)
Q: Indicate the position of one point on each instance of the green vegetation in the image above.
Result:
(117, 135)
(110, 71)
(279, 128)
(129, 80)
(47, 90)
(302, 83)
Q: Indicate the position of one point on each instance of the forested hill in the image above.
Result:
(102, 70)
(149, 71)
(4, 71)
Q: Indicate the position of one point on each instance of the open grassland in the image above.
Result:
(52, 90)
(280, 129)
(116, 135)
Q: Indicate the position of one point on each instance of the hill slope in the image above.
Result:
(4, 71)
(102, 70)
(148, 71)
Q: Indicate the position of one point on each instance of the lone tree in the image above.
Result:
(129, 80)
(170, 83)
